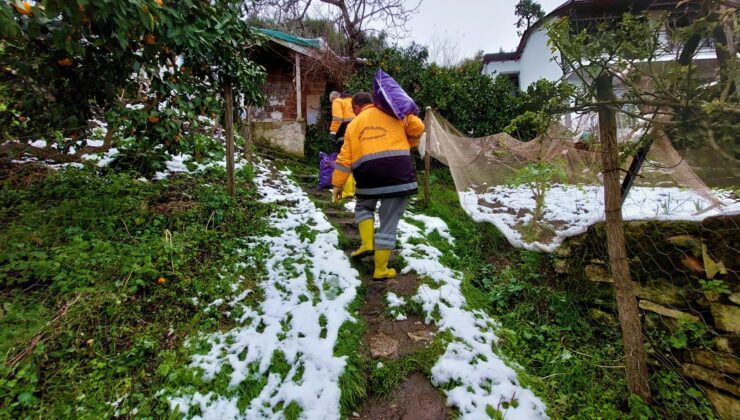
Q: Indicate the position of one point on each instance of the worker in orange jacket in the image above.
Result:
(377, 151)
(341, 115)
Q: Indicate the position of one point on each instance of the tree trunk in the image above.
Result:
(629, 317)
(229, 131)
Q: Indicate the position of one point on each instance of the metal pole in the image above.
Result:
(634, 169)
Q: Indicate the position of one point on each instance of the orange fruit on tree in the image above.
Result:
(153, 119)
(150, 39)
(23, 8)
(161, 280)
(65, 62)
(160, 3)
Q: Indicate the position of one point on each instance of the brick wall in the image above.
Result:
(280, 92)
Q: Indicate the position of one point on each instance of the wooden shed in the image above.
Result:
(297, 77)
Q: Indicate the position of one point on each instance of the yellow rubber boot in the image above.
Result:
(381, 265)
(349, 187)
(367, 235)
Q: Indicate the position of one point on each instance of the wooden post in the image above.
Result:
(427, 160)
(299, 106)
(247, 133)
(629, 316)
(229, 131)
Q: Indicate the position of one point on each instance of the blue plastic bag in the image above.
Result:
(389, 96)
(326, 169)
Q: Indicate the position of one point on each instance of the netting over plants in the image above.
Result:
(542, 191)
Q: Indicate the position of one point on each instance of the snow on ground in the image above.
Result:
(178, 164)
(432, 224)
(307, 288)
(569, 210)
(394, 301)
(104, 159)
(469, 361)
(481, 377)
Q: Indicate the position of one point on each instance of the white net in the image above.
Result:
(538, 193)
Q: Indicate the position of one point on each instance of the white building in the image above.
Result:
(534, 60)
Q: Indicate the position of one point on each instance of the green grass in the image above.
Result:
(353, 382)
(80, 255)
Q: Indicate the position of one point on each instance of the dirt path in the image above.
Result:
(387, 338)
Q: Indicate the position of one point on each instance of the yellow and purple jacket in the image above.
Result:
(377, 151)
(341, 112)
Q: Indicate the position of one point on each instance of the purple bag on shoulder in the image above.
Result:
(389, 96)
(326, 168)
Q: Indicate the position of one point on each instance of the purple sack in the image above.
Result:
(326, 169)
(389, 96)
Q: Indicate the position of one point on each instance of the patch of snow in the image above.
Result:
(432, 224)
(401, 317)
(95, 143)
(569, 210)
(307, 282)
(38, 143)
(102, 160)
(349, 206)
(394, 301)
(469, 361)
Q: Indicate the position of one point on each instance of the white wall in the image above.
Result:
(494, 68)
(534, 64)
(536, 61)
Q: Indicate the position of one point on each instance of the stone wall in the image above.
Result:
(288, 136)
(276, 123)
(686, 277)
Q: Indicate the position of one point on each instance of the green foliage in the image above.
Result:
(353, 381)
(96, 245)
(69, 61)
(529, 12)
(541, 104)
(715, 287)
(539, 177)
(405, 65)
(473, 102)
(317, 140)
(701, 105)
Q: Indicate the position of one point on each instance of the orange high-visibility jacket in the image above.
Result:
(341, 112)
(377, 152)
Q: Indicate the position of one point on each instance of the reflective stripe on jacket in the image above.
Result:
(377, 152)
(341, 112)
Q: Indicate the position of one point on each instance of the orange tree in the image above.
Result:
(64, 62)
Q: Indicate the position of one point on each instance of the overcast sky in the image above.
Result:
(462, 27)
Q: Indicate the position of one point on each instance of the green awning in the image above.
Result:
(305, 42)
